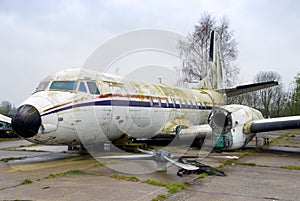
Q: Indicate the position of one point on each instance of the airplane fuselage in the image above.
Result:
(79, 106)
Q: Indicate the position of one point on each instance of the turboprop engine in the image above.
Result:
(229, 125)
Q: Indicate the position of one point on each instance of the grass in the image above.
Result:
(160, 197)
(69, 172)
(230, 162)
(202, 175)
(247, 152)
(26, 181)
(124, 177)
(280, 137)
(291, 167)
(11, 158)
(51, 176)
(75, 172)
(173, 187)
(9, 139)
(247, 164)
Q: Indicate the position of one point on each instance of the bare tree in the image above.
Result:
(195, 51)
(271, 100)
(6, 108)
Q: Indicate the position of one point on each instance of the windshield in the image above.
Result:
(42, 86)
(63, 85)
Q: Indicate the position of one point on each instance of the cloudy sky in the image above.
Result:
(38, 38)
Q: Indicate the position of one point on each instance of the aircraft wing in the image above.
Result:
(241, 89)
(4, 118)
(272, 124)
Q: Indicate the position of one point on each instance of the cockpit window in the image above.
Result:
(93, 88)
(63, 85)
(82, 87)
(42, 86)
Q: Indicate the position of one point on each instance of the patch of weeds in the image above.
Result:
(29, 145)
(230, 162)
(74, 172)
(247, 164)
(291, 167)
(95, 165)
(9, 139)
(11, 158)
(26, 181)
(28, 150)
(247, 152)
(124, 177)
(173, 187)
(160, 197)
(69, 172)
(51, 176)
(202, 175)
(280, 138)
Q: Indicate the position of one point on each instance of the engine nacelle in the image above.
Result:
(227, 123)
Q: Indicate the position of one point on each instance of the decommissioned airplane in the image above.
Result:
(79, 106)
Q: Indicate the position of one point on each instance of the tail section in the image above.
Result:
(214, 78)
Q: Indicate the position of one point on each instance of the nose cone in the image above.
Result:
(27, 121)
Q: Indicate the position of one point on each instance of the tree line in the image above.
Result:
(7, 108)
(274, 101)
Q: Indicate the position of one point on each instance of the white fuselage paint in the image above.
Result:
(124, 106)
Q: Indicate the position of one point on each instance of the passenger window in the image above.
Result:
(93, 88)
(174, 102)
(151, 101)
(180, 103)
(192, 104)
(196, 105)
(82, 87)
(159, 101)
(186, 104)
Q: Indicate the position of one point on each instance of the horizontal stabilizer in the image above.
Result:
(241, 89)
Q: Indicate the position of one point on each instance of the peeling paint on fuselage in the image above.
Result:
(133, 107)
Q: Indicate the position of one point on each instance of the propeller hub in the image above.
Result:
(220, 120)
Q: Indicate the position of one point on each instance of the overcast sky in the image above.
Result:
(38, 38)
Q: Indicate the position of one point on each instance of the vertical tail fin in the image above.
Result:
(214, 78)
